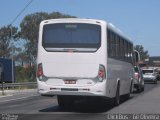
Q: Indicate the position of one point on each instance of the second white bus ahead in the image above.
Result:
(83, 57)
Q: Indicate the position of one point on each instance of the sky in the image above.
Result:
(137, 19)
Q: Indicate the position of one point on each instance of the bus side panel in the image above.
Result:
(119, 70)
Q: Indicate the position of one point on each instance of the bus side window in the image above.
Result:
(109, 42)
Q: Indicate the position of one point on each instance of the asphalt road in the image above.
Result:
(42, 107)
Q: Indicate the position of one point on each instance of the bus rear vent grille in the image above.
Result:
(69, 89)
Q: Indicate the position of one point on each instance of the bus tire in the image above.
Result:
(155, 82)
(117, 97)
(139, 89)
(64, 101)
(142, 88)
(61, 101)
(127, 96)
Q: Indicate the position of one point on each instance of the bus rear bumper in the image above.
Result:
(52, 93)
(95, 90)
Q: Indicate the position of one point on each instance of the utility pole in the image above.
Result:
(27, 5)
(12, 55)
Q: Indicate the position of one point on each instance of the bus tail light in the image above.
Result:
(101, 73)
(137, 76)
(40, 70)
(40, 74)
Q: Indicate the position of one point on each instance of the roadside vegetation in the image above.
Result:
(20, 43)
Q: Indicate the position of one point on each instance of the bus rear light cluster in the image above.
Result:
(40, 74)
(137, 76)
(40, 71)
(101, 73)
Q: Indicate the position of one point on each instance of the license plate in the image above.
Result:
(70, 81)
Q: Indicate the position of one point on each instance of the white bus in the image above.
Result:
(83, 57)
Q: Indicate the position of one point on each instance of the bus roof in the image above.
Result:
(118, 31)
(96, 21)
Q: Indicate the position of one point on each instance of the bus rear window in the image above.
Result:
(147, 71)
(74, 35)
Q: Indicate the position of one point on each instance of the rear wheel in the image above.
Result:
(127, 96)
(155, 82)
(142, 88)
(117, 98)
(65, 101)
(139, 88)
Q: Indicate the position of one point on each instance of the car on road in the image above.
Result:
(138, 79)
(150, 75)
(158, 74)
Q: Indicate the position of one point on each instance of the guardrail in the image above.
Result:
(18, 85)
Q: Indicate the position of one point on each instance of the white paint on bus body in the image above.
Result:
(57, 64)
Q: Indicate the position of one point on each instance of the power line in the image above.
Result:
(27, 5)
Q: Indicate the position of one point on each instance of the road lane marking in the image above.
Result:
(18, 98)
(2, 96)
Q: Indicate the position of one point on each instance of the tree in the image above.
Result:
(5, 40)
(143, 53)
(29, 31)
